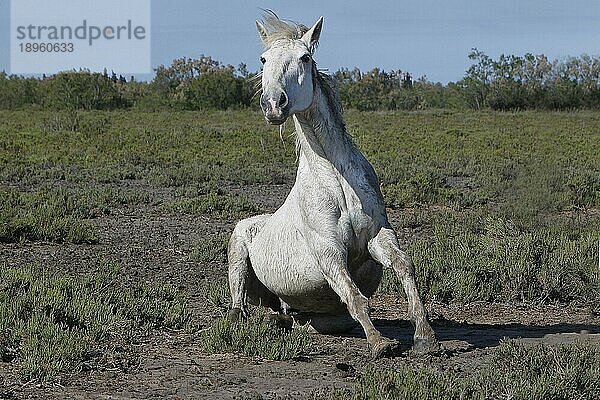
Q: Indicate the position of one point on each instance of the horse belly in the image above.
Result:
(283, 262)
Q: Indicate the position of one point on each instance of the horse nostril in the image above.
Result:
(282, 100)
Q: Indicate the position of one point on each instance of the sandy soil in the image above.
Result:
(151, 245)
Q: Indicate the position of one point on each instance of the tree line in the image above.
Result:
(507, 83)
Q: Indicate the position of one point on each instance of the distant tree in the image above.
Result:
(243, 70)
(82, 90)
(475, 85)
(407, 82)
(504, 83)
(18, 92)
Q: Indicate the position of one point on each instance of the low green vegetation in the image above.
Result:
(164, 149)
(520, 163)
(215, 205)
(256, 337)
(516, 371)
(484, 196)
(58, 215)
(471, 256)
(211, 249)
(51, 323)
(492, 206)
(52, 216)
(216, 293)
(210, 200)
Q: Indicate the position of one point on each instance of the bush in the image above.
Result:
(82, 90)
(18, 92)
(584, 190)
(256, 337)
(218, 89)
(52, 323)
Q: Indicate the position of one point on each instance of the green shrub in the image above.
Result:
(218, 89)
(53, 216)
(217, 294)
(211, 249)
(215, 205)
(82, 91)
(256, 337)
(19, 92)
(583, 190)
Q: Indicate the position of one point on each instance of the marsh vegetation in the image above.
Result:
(113, 227)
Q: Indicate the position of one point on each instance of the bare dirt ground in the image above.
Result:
(153, 245)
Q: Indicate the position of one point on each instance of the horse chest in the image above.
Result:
(336, 204)
(284, 254)
(329, 209)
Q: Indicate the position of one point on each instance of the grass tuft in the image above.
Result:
(58, 215)
(52, 216)
(225, 206)
(211, 249)
(256, 337)
(217, 294)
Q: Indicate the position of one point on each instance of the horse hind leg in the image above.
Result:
(244, 286)
(384, 248)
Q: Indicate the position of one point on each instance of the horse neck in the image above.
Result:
(321, 134)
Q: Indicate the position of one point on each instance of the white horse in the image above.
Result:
(322, 253)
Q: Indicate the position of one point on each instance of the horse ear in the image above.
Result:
(311, 38)
(262, 31)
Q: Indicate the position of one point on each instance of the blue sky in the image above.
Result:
(424, 37)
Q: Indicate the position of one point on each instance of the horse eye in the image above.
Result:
(262, 60)
(305, 58)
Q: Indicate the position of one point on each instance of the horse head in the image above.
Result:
(288, 68)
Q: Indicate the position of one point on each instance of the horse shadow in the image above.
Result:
(474, 336)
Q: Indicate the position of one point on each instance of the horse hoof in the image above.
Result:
(385, 348)
(424, 346)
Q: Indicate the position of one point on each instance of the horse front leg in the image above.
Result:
(384, 248)
(239, 271)
(243, 284)
(334, 268)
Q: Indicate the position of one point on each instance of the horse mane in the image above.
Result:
(329, 87)
(277, 29)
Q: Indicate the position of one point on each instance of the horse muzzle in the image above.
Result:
(275, 107)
